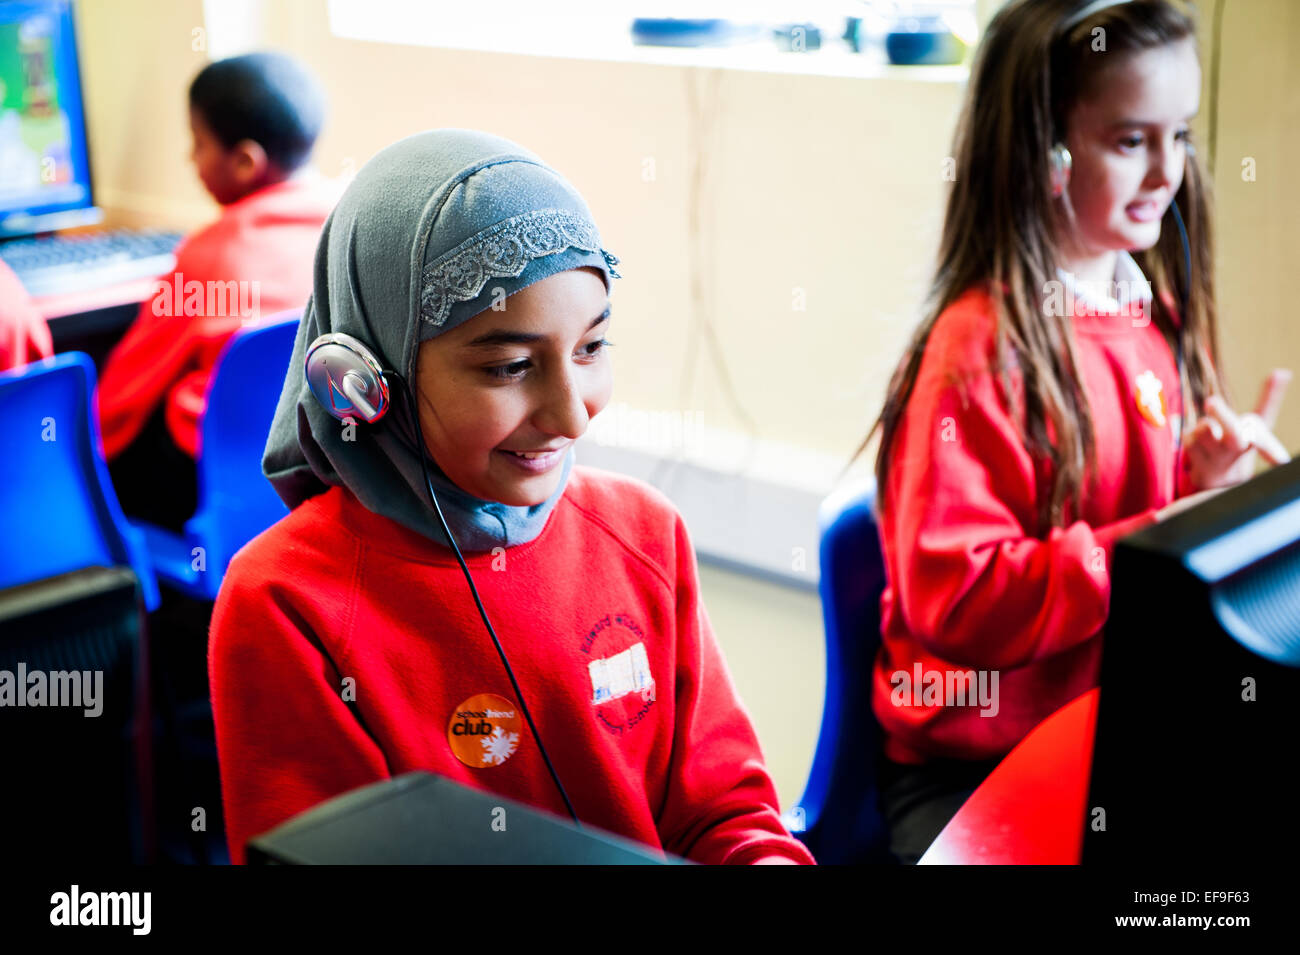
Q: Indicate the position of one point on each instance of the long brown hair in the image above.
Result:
(1000, 230)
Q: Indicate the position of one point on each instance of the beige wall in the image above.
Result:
(1259, 222)
(137, 60)
(827, 185)
(821, 184)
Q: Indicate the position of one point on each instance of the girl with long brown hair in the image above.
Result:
(1037, 416)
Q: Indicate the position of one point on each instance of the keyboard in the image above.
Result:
(55, 265)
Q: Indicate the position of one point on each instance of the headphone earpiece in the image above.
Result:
(346, 378)
(1061, 163)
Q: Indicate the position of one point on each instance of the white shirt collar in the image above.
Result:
(1128, 285)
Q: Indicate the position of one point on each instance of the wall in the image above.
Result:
(769, 192)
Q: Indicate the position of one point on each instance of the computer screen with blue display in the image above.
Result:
(44, 163)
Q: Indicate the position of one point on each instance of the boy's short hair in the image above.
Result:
(269, 98)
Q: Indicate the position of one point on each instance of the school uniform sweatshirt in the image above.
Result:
(24, 335)
(973, 585)
(254, 261)
(346, 649)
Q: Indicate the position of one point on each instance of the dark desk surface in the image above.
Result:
(1031, 809)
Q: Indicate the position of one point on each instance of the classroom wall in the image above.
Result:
(819, 184)
(1259, 219)
(796, 215)
(137, 59)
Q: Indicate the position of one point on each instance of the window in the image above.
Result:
(603, 31)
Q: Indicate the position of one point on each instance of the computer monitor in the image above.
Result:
(1194, 759)
(421, 818)
(44, 162)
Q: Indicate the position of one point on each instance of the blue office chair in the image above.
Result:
(236, 502)
(841, 821)
(60, 511)
(75, 579)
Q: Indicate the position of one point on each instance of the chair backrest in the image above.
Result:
(236, 501)
(59, 511)
(842, 821)
(95, 770)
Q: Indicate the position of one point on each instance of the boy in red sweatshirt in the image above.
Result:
(346, 645)
(254, 121)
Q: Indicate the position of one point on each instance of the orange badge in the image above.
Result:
(1149, 393)
(484, 730)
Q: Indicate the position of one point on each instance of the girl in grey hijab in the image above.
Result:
(477, 220)
(471, 275)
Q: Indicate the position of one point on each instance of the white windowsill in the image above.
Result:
(373, 21)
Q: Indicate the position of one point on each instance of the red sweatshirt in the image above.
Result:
(24, 336)
(601, 618)
(264, 243)
(971, 587)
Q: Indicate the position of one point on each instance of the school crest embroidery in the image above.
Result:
(622, 686)
(1149, 393)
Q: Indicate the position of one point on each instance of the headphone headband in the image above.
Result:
(1095, 7)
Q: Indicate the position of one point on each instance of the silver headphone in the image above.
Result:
(1061, 164)
(346, 378)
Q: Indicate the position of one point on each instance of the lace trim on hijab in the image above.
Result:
(503, 251)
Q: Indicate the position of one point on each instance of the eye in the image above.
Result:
(592, 349)
(1184, 134)
(1131, 142)
(517, 369)
(511, 372)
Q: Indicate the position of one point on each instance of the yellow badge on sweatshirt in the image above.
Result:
(1149, 393)
(484, 730)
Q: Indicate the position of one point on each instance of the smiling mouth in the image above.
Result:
(1145, 211)
(535, 462)
(530, 455)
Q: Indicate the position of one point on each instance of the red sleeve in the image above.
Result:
(156, 351)
(24, 335)
(286, 740)
(973, 583)
(721, 806)
(185, 405)
(170, 338)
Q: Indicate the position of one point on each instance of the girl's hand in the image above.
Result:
(1221, 448)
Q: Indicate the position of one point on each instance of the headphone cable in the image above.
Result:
(1178, 338)
(413, 421)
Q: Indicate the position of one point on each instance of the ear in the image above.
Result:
(250, 162)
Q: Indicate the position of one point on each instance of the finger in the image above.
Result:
(1201, 443)
(1208, 430)
(1271, 395)
(1273, 450)
(1231, 427)
(1200, 462)
(1198, 433)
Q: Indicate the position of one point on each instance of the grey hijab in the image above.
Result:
(431, 232)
